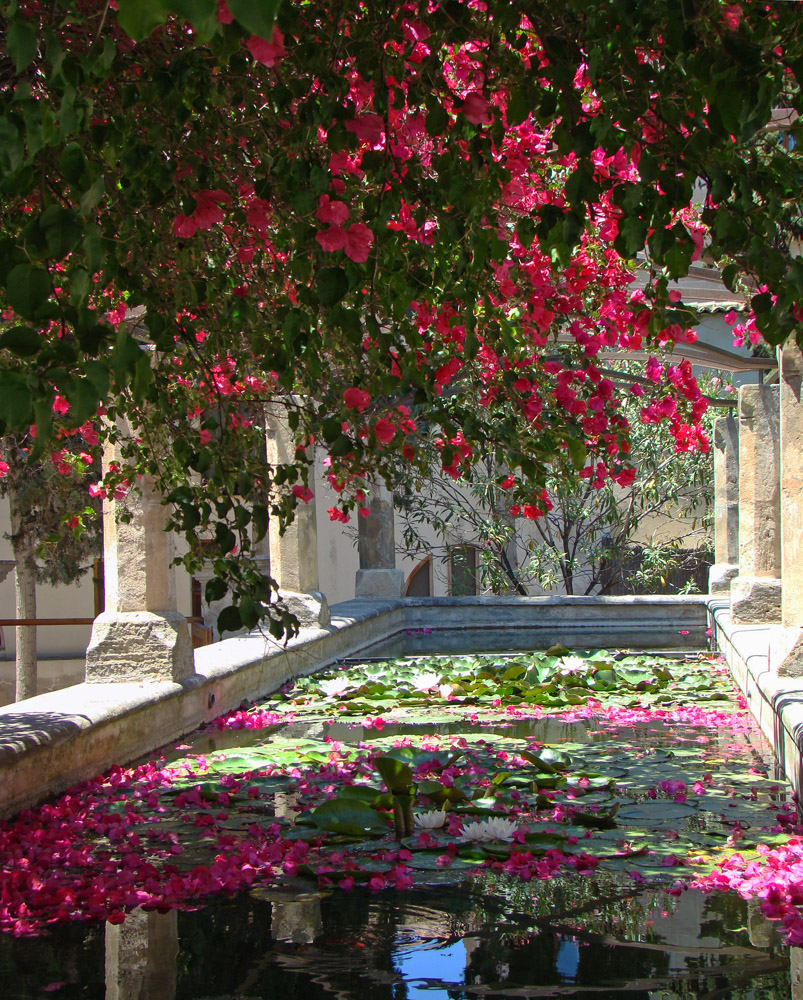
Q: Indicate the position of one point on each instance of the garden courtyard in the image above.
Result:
(411, 348)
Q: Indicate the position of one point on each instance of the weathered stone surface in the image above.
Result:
(790, 362)
(759, 508)
(376, 541)
(139, 646)
(294, 554)
(755, 599)
(786, 651)
(377, 576)
(720, 576)
(380, 583)
(311, 610)
(137, 554)
(726, 490)
(759, 482)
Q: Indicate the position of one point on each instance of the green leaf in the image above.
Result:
(27, 289)
(256, 16)
(72, 162)
(22, 340)
(215, 590)
(632, 236)
(332, 285)
(518, 107)
(16, 407)
(440, 793)
(62, 230)
(577, 452)
(437, 120)
(21, 44)
(140, 18)
(202, 15)
(229, 619)
(350, 816)
(397, 775)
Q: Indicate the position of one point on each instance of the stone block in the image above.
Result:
(726, 490)
(720, 576)
(380, 583)
(130, 646)
(311, 610)
(786, 652)
(759, 482)
(755, 599)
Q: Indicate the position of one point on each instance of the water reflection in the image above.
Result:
(141, 956)
(296, 916)
(584, 938)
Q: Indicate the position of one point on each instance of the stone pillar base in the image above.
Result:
(130, 646)
(311, 610)
(380, 583)
(720, 576)
(786, 652)
(755, 599)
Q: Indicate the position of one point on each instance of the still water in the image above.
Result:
(594, 934)
(489, 938)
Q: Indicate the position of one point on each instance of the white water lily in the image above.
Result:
(335, 687)
(444, 690)
(573, 664)
(425, 682)
(482, 830)
(431, 820)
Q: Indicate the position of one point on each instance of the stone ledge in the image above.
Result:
(776, 702)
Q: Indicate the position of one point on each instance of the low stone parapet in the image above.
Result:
(775, 700)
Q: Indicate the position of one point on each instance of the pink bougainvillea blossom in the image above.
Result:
(267, 53)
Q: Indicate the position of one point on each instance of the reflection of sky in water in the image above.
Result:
(446, 963)
(568, 958)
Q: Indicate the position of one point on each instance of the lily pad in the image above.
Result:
(350, 816)
(656, 811)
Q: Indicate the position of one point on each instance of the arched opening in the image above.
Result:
(419, 582)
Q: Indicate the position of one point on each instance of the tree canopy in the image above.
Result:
(374, 215)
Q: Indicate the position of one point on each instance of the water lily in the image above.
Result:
(573, 665)
(425, 682)
(335, 687)
(431, 820)
(482, 830)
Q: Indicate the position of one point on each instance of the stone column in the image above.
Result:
(786, 649)
(293, 554)
(141, 955)
(140, 636)
(756, 591)
(377, 575)
(726, 505)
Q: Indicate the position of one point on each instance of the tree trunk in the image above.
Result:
(25, 586)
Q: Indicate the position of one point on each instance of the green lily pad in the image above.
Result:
(657, 811)
(348, 816)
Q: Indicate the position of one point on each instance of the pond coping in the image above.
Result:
(775, 702)
(53, 741)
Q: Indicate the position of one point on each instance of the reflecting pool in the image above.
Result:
(563, 812)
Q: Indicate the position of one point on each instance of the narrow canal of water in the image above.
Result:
(565, 809)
